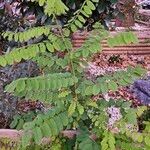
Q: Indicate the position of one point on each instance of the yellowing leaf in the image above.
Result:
(72, 108)
(80, 108)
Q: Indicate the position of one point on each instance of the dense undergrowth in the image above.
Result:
(70, 117)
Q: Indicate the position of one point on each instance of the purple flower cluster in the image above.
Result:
(141, 90)
(114, 114)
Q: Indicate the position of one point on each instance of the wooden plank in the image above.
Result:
(141, 48)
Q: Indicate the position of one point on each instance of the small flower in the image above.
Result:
(131, 127)
(114, 114)
(106, 97)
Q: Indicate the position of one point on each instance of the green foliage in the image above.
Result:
(20, 120)
(126, 136)
(53, 7)
(140, 137)
(26, 53)
(45, 125)
(108, 142)
(64, 86)
(79, 16)
(31, 51)
(128, 145)
(92, 44)
(34, 32)
(40, 88)
(110, 82)
(121, 38)
(85, 142)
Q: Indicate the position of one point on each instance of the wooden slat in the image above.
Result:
(142, 48)
(78, 44)
(127, 49)
(128, 53)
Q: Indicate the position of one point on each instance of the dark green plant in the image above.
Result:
(19, 120)
(105, 11)
(64, 86)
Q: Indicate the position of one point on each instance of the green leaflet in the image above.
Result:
(20, 86)
(122, 38)
(92, 45)
(80, 108)
(3, 61)
(96, 89)
(122, 82)
(127, 79)
(112, 86)
(63, 94)
(35, 84)
(39, 120)
(85, 53)
(20, 124)
(37, 135)
(11, 87)
(64, 118)
(29, 126)
(92, 104)
(88, 144)
(91, 5)
(42, 47)
(108, 141)
(41, 2)
(50, 47)
(104, 87)
(147, 140)
(42, 84)
(59, 122)
(66, 32)
(34, 32)
(72, 107)
(16, 55)
(59, 8)
(73, 28)
(37, 87)
(84, 13)
(87, 10)
(56, 45)
(111, 141)
(53, 126)
(131, 116)
(81, 19)
(26, 139)
(78, 23)
(46, 130)
(14, 123)
(9, 58)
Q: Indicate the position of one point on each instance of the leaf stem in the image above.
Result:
(70, 60)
